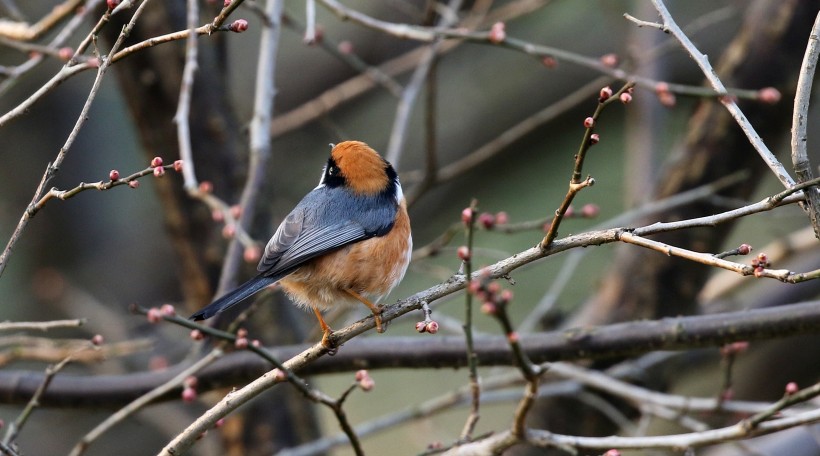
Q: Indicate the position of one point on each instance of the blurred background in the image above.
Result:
(92, 255)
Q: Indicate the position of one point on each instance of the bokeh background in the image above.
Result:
(91, 256)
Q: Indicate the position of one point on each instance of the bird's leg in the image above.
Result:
(377, 311)
(326, 331)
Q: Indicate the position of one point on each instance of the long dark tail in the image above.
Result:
(234, 297)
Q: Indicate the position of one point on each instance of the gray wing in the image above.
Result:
(297, 240)
(325, 220)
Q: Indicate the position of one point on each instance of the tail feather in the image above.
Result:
(234, 297)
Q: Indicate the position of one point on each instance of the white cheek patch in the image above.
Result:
(322, 179)
(399, 192)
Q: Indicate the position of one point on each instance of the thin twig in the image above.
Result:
(260, 141)
(123, 413)
(181, 118)
(410, 93)
(15, 427)
(472, 358)
(40, 325)
(703, 62)
(575, 182)
(52, 168)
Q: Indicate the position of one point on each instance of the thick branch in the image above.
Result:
(618, 340)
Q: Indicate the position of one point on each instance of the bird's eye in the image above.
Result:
(331, 171)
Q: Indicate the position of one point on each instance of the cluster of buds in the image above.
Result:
(189, 389)
(156, 165)
(156, 314)
(427, 326)
(490, 293)
(365, 381)
(486, 220)
(760, 263)
(241, 342)
(589, 210)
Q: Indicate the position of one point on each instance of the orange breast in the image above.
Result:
(371, 268)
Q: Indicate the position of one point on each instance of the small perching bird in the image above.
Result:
(347, 241)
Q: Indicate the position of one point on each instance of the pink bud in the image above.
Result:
(744, 249)
(178, 166)
(220, 422)
(65, 53)
(156, 161)
(154, 315)
(134, 184)
(196, 334)
(549, 62)
(241, 343)
(168, 310)
(226, 3)
(238, 26)
(217, 216)
(791, 388)
(189, 395)
(228, 231)
(159, 171)
(463, 253)
(501, 218)
(626, 98)
(190, 382)
(112, 4)
(589, 122)
(604, 94)
(252, 254)
(497, 33)
(768, 95)
(513, 337)
(421, 326)
(486, 220)
(236, 211)
(590, 210)
(610, 60)
(667, 99)
(114, 175)
(366, 382)
(206, 187)
(612, 452)
(489, 308)
(432, 327)
(467, 215)
(345, 47)
(97, 340)
(594, 139)
(279, 375)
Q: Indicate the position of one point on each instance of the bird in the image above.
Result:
(347, 241)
